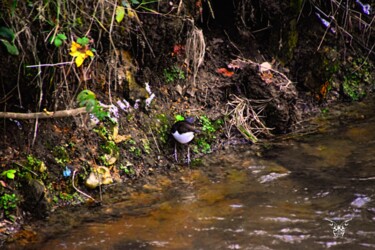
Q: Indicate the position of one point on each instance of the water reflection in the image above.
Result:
(238, 201)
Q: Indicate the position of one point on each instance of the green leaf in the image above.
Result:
(179, 118)
(61, 36)
(83, 41)
(120, 13)
(90, 104)
(134, 1)
(58, 42)
(11, 48)
(7, 34)
(10, 174)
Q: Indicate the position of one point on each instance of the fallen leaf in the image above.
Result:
(324, 89)
(225, 72)
(267, 77)
(179, 89)
(2, 183)
(178, 49)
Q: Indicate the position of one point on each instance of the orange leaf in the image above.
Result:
(267, 77)
(324, 89)
(225, 72)
(178, 49)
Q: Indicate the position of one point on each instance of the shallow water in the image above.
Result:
(281, 199)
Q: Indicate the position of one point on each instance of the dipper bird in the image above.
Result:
(183, 132)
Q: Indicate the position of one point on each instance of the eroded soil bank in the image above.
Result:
(245, 71)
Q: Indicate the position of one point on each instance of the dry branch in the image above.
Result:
(245, 116)
(43, 115)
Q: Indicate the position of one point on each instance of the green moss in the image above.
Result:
(352, 88)
(357, 78)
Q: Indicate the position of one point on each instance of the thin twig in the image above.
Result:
(49, 64)
(79, 191)
(156, 143)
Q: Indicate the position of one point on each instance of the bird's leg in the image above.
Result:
(175, 152)
(188, 156)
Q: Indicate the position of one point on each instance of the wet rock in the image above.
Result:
(36, 198)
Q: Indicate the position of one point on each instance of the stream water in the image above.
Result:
(284, 198)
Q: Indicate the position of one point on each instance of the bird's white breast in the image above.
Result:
(183, 138)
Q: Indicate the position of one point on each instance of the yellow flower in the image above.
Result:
(75, 47)
(89, 53)
(79, 53)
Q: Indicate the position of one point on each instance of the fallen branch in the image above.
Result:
(43, 115)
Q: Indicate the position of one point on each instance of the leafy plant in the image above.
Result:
(207, 125)
(127, 169)
(7, 38)
(58, 39)
(111, 151)
(162, 127)
(146, 146)
(102, 132)
(203, 143)
(135, 150)
(357, 76)
(80, 50)
(87, 98)
(61, 155)
(10, 174)
(178, 118)
(202, 146)
(174, 73)
(35, 164)
(65, 196)
(8, 203)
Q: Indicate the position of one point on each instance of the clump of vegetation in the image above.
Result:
(162, 127)
(8, 204)
(111, 153)
(133, 149)
(7, 38)
(35, 165)
(87, 98)
(61, 155)
(9, 174)
(174, 73)
(207, 135)
(357, 78)
(128, 169)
